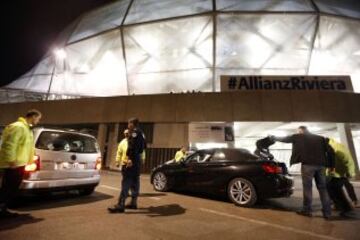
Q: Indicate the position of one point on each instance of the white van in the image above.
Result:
(64, 160)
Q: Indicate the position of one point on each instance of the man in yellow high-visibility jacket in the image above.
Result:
(121, 158)
(180, 154)
(344, 170)
(16, 151)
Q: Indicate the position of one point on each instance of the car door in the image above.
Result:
(198, 171)
(209, 172)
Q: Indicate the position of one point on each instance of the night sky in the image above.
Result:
(31, 26)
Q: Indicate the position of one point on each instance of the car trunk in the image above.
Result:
(66, 155)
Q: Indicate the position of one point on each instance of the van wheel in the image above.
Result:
(86, 191)
(242, 192)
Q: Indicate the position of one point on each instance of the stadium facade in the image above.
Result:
(165, 61)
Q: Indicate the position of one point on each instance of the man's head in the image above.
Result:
(33, 117)
(183, 149)
(302, 130)
(133, 123)
(126, 133)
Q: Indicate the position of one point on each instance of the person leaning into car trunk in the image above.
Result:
(315, 155)
(344, 170)
(131, 171)
(17, 150)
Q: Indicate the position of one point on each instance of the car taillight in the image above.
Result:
(98, 163)
(271, 168)
(34, 166)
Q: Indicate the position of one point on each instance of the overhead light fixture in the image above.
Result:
(60, 53)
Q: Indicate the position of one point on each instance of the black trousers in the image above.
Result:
(12, 178)
(350, 189)
(337, 194)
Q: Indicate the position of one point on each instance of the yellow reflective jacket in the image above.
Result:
(344, 163)
(121, 157)
(17, 145)
(179, 155)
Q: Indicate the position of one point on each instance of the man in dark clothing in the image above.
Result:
(131, 171)
(315, 155)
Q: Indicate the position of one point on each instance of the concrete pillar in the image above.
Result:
(112, 145)
(346, 138)
(101, 137)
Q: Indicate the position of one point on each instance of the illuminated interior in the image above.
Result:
(162, 46)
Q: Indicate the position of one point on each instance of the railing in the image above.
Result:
(16, 96)
(157, 156)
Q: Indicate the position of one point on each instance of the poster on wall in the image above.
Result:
(211, 132)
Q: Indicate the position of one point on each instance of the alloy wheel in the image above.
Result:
(160, 182)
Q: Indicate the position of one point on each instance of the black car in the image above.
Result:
(243, 176)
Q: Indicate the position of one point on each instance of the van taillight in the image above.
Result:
(98, 163)
(271, 168)
(34, 166)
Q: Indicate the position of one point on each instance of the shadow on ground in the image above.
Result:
(55, 200)
(160, 211)
(15, 222)
(152, 195)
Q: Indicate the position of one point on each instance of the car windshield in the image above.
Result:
(66, 142)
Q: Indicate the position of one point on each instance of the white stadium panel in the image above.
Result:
(166, 82)
(45, 66)
(264, 41)
(148, 10)
(94, 67)
(264, 5)
(170, 50)
(170, 45)
(349, 8)
(337, 49)
(36, 83)
(99, 20)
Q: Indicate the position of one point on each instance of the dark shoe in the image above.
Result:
(116, 209)
(304, 213)
(346, 214)
(131, 206)
(133, 203)
(7, 214)
(329, 218)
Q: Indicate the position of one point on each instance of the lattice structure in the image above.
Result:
(161, 46)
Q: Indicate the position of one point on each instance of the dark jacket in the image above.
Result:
(136, 145)
(309, 149)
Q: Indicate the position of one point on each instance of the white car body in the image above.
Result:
(66, 160)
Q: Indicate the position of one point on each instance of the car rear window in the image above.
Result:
(66, 142)
(233, 155)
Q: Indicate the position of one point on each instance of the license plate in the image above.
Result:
(76, 166)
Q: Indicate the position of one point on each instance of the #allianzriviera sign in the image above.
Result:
(290, 83)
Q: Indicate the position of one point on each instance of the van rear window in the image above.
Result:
(66, 142)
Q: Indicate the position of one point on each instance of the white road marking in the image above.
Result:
(118, 189)
(290, 229)
(155, 198)
(110, 187)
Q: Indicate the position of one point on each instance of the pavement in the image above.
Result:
(169, 216)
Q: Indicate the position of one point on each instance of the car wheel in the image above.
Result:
(86, 191)
(242, 192)
(160, 182)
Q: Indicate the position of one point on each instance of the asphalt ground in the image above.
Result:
(169, 216)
